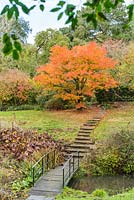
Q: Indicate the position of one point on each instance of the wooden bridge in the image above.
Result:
(50, 179)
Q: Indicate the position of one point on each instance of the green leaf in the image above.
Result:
(69, 9)
(70, 18)
(43, 1)
(16, 11)
(32, 7)
(10, 13)
(7, 49)
(61, 3)
(55, 9)
(17, 45)
(5, 9)
(6, 38)
(42, 7)
(24, 7)
(60, 16)
(15, 54)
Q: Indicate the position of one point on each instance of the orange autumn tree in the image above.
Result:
(76, 73)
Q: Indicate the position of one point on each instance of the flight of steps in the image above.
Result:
(83, 143)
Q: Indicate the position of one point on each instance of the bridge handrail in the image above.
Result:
(71, 168)
(41, 165)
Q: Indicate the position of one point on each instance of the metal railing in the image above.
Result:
(70, 167)
(46, 162)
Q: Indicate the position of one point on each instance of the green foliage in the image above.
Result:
(97, 12)
(12, 33)
(58, 104)
(121, 93)
(99, 193)
(44, 40)
(114, 155)
(70, 194)
(43, 98)
(114, 27)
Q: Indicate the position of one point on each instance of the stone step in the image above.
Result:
(81, 155)
(86, 129)
(76, 145)
(83, 134)
(76, 149)
(88, 125)
(94, 120)
(83, 141)
(82, 138)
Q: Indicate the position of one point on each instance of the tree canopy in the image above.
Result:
(98, 10)
(77, 73)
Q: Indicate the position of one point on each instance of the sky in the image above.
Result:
(42, 20)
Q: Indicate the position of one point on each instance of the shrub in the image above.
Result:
(116, 94)
(114, 155)
(99, 193)
(16, 88)
(58, 104)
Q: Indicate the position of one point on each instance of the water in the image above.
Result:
(111, 184)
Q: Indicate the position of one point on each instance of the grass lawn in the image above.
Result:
(61, 124)
(65, 125)
(115, 119)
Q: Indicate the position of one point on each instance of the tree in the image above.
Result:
(123, 53)
(112, 28)
(44, 40)
(98, 9)
(76, 73)
(27, 62)
(19, 28)
(12, 33)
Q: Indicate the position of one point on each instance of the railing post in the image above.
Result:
(69, 167)
(42, 165)
(73, 163)
(78, 159)
(54, 161)
(47, 160)
(33, 177)
(63, 178)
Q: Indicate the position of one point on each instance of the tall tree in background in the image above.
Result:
(27, 62)
(77, 73)
(19, 28)
(113, 28)
(44, 40)
(97, 11)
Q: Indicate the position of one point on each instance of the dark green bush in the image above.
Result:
(54, 104)
(115, 94)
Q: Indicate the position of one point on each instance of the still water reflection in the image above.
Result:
(111, 184)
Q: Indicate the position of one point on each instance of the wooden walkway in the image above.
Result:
(53, 181)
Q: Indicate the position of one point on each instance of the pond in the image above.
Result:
(111, 184)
